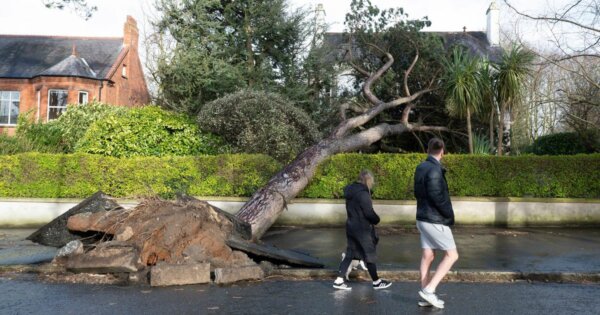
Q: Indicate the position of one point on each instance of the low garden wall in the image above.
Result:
(509, 212)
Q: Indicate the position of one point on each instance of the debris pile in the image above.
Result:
(170, 242)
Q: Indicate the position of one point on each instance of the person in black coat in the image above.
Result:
(360, 231)
(435, 216)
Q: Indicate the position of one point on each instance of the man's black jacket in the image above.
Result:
(431, 191)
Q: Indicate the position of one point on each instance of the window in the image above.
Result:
(9, 107)
(124, 71)
(57, 103)
(83, 97)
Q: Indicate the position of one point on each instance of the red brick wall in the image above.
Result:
(131, 88)
(124, 90)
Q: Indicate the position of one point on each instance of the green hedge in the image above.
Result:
(575, 176)
(79, 175)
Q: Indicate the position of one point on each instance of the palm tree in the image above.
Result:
(462, 83)
(511, 72)
(488, 99)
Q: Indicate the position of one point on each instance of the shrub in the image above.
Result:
(73, 123)
(39, 137)
(147, 131)
(14, 145)
(259, 122)
(481, 145)
(565, 143)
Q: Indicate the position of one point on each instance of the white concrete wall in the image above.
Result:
(311, 212)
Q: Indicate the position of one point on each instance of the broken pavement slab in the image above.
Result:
(27, 254)
(230, 275)
(275, 254)
(108, 258)
(168, 274)
(56, 233)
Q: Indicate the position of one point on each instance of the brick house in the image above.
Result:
(42, 74)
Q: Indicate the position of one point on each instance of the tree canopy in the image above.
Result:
(209, 48)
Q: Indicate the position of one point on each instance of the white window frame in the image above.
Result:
(65, 107)
(124, 71)
(10, 100)
(87, 95)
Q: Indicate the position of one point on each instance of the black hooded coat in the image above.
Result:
(360, 230)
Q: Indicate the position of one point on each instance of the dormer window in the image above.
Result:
(124, 71)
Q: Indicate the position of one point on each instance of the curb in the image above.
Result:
(453, 276)
(484, 276)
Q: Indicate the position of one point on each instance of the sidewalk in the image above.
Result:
(483, 248)
(486, 254)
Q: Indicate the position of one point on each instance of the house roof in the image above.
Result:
(23, 56)
(476, 44)
(71, 66)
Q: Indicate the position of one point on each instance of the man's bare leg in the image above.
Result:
(426, 261)
(442, 269)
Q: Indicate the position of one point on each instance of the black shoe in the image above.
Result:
(383, 284)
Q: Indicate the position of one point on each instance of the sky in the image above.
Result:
(32, 17)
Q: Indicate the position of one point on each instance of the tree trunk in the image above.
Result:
(265, 206)
(469, 131)
(492, 128)
(250, 63)
(500, 131)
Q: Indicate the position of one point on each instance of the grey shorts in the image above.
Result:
(436, 236)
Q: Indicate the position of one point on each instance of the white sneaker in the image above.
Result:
(342, 286)
(383, 284)
(432, 299)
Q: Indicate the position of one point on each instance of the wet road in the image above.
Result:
(486, 248)
(294, 297)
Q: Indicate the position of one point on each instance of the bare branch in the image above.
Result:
(351, 106)
(369, 82)
(408, 71)
(351, 59)
(360, 120)
(552, 19)
(428, 128)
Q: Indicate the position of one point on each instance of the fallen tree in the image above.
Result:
(265, 206)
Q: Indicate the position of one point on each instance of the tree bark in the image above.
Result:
(492, 128)
(469, 131)
(500, 131)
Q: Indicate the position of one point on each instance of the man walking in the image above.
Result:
(434, 218)
(360, 231)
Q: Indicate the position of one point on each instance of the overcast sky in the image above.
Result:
(32, 17)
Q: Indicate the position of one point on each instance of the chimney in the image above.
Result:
(320, 25)
(130, 33)
(493, 24)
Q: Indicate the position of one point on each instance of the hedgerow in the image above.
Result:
(41, 175)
